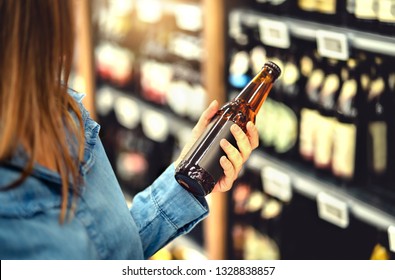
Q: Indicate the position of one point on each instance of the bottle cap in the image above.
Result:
(276, 71)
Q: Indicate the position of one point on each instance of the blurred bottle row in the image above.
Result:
(148, 56)
(335, 115)
(266, 228)
(332, 119)
(366, 15)
(153, 50)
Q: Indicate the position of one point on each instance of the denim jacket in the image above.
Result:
(103, 227)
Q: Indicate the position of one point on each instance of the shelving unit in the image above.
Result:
(301, 180)
(339, 202)
(212, 66)
(282, 178)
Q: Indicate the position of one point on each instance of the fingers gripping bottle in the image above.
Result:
(200, 169)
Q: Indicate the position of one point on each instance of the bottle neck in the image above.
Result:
(256, 92)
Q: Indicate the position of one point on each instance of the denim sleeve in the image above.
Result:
(165, 211)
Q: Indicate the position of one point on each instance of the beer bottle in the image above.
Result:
(348, 162)
(200, 169)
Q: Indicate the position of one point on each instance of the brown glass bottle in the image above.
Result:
(200, 170)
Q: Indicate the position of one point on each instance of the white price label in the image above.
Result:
(391, 238)
(332, 44)
(333, 210)
(276, 183)
(274, 33)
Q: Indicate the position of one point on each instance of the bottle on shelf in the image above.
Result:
(326, 11)
(288, 110)
(309, 110)
(362, 14)
(242, 40)
(348, 163)
(386, 17)
(270, 111)
(377, 124)
(200, 169)
(328, 95)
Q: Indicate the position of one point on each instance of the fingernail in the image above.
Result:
(213, 103)
(236, 128)
(224, 143)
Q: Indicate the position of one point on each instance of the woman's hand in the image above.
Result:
(235, 157)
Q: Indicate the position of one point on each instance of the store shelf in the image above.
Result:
(308, 30)
(362, 204)
(176, 124)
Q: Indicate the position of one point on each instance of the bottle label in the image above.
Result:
(286, 136)
(308, 124)
(155, 125)
(344, 150)
(266, 117)
(378, 136)
(307, 5)
(324, 141)
(366, 9)
(386, 11)
(189, 17)
(291, 74)
(326, 6)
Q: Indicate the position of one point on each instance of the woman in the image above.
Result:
(59, 198)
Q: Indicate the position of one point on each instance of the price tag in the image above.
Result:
(276, 183)
(391, 238)
(332, 210)
(332, 44)
(274, 33)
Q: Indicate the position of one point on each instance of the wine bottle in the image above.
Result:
(391, 129)
(348, 145)
(362, 14)
(200, 169)
(328, 11)
(269, 113)
(386, 17)
(309, 112)
(326, 121)
(286, 143)
(377, 110)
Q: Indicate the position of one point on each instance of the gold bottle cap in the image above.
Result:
(276, 71)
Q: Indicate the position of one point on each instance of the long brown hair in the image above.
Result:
(36, 53)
